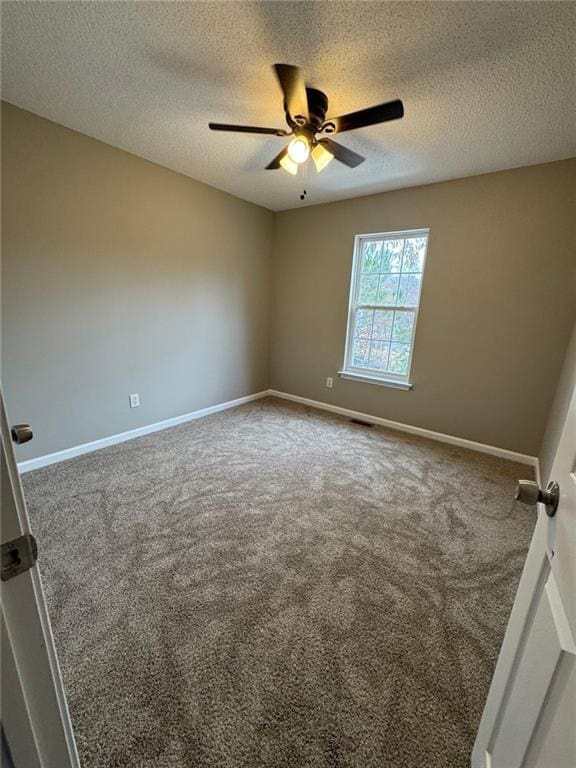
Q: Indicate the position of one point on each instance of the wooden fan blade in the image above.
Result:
(381, 113)
(294, 90)
(274, 164)
(345, 155)
(247, 129)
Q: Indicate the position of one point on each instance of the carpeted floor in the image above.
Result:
(275, 587)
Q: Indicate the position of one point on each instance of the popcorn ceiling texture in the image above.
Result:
(275, 587)
(486, 86)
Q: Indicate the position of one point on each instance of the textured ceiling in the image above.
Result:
(485, 85)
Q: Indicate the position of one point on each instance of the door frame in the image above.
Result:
(35, 717)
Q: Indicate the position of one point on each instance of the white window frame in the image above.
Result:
(399, 381)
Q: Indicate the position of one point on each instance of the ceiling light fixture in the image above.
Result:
(306, 109)
(321, 157)
(299, 149)
(289, 165)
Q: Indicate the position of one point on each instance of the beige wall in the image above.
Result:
(121, 276)
(498, 302)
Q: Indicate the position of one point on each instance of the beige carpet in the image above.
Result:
(275, 587)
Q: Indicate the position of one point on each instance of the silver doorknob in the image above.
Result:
(21, 433)
(529, 492)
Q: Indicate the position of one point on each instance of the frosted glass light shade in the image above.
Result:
(321, 157)
(289, 165)
(299, 149)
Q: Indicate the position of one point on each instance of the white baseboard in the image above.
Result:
(503, 453)
(78, 450)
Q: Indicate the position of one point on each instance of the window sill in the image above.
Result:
(393, 383)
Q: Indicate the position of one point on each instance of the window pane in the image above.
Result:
(399, 354)
(363, 325)
(392, 256)
(371, 257)
(360, 353)
(414, 254)
(388, 279)
(368, 289)
(383, 320)
(403, 323)
(388, 289)
(409, 290)
(379, 355)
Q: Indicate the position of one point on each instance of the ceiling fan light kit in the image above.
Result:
(306, 110)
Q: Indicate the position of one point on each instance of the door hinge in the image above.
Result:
(18, 555)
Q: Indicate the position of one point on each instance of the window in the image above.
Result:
(384, 297)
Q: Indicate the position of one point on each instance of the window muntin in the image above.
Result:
(384, 298)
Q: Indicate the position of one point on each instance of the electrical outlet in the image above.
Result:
(134, 400)
(329, 382)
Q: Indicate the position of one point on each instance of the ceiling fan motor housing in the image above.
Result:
(317, 108)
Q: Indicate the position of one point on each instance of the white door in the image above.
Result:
(529, 720)
(35, 718)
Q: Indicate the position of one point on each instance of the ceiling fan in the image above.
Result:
(306, 110)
